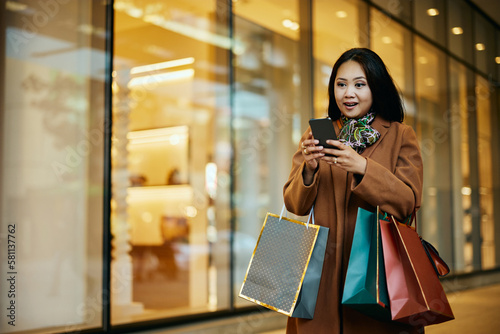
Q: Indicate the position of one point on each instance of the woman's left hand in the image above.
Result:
(345, 157)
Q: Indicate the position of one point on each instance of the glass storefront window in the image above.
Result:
(433, 132)
(459, 29)
(484, 45)
(458, 117)
(484, 152)
(429, 19)
(337, 27)
(52, 165)
(497, 55)
(171, 160)
(397, 8)
(266, 118)
(209, 101)
(392, 43)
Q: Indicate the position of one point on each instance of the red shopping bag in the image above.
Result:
(415, 293)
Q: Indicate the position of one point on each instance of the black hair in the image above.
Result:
(386, 98)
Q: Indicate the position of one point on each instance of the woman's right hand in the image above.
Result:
(311, 154)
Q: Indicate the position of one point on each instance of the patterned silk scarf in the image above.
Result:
(357, 133)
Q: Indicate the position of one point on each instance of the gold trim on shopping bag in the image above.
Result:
(292, 308)
(378, 260)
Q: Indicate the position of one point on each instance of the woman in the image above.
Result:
(375, 162)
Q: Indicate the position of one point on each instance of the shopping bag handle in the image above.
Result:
(408, 220)
(311, 215)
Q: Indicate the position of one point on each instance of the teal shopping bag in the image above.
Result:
(365, 287)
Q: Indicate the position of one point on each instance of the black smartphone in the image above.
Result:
(322, 129)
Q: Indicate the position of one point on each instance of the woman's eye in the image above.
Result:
(360, 84)
(340, 84)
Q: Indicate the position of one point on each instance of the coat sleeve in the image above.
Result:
(299, 197)
(397, 192)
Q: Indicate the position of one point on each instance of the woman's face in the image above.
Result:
(352, 94)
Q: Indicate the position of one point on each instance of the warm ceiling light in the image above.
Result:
(466, 191)
(386, 40)
(423, 60)
(429, 82)
(15, 6)
(497, 60)
(155, 79)
(162, 65)
(480, 47)
(432, 12)
(341, 14)
(172, 135)
(287, 23)
(457, 31)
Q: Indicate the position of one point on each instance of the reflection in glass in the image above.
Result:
(392, 43)
(52, 165)
(171, 156)
(399, 8)
(458, 118)
(497, 55)
(459, 29)
(337, 28)
(484, 130)
(266, 114)
(433, 132)
(484, 45)
(429, 19)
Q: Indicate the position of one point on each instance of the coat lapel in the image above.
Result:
(382, 126)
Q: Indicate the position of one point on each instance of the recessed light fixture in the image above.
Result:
(429, 82)
(287, 23)
(497, 60)
(341, 14)
(480, 47)
(423, 60)
(386, 40)
(162, 65)
(466, 191)
(457, 31)
(432, 12)
(154, 79)
(15, 6)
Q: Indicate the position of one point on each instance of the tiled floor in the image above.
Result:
(476, 312)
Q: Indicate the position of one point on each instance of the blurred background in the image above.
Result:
(144, 141)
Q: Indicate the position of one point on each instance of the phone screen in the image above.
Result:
(322, 129)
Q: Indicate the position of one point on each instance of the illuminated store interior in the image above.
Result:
(144, 141)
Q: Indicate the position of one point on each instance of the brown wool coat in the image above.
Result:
(393, 180)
